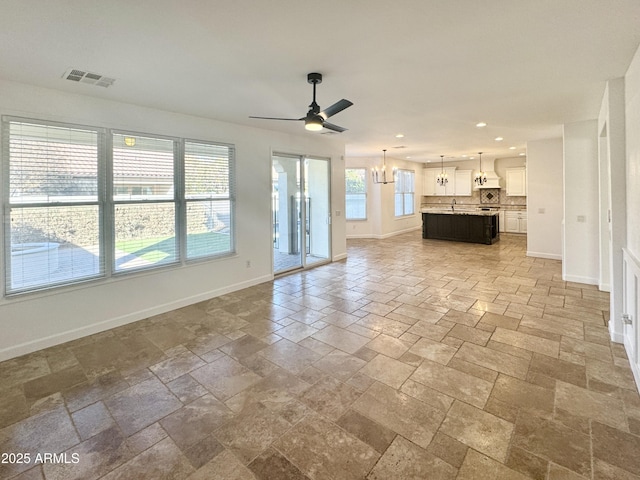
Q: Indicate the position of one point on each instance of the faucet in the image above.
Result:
(453, 202)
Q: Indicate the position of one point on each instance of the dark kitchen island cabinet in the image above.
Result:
(472, 227)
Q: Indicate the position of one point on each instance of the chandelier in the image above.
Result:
(442, 177)
(380, 176)
(481, 177)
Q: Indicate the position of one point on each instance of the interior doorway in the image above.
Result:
(301, 222)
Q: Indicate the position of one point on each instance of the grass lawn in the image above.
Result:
(155, 250)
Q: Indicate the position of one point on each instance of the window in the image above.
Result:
(356, 189)
(54, 233)
(148, 202)
(404, 193)
(144, 221)
(209, 198)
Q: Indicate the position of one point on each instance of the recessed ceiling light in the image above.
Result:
(400, 135)
(512, 148)
(481, 124)
(499, 139)
(464, 156)
(428, 161)
(408, 157)
(522, 154)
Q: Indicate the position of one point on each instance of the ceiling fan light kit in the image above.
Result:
(315, 119)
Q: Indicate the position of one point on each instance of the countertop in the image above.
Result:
(459, 211)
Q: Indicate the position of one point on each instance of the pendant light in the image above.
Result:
(380, 176)
(481, 177)
(442, 177)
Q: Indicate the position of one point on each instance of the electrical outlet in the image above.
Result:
(582, 218)
(338, 213)
(541, 210)
(248, 263)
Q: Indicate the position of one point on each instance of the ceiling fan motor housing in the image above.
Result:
(314, 78)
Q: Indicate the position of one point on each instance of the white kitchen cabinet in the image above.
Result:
(429, 181)
(450, 187)
(516, 182)
(501, 221)
(515, 221)
(463, 183)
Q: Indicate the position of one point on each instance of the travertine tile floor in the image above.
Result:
(412, 359)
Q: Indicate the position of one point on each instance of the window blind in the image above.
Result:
(210, 199)
(52, 180)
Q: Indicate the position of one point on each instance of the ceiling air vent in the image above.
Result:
(81, 76)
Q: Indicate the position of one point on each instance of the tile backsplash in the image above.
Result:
(498, 198)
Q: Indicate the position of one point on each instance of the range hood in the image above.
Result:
(493, 180)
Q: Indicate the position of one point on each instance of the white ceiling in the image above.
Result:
(430, 69)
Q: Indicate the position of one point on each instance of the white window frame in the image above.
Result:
(403, 191)
(363, 194)
(106, 204)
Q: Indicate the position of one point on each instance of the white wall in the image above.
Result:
(581, 259)
(33, 321)
(632, 112)
(611, 123)
(544, 198)
(381, 221)
(629, 303)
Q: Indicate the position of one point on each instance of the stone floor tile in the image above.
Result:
(494, 360)
(527, 342)
(405, 460)
(605, 471)
(554, 441)
(340, 365)
(526, 396)
(477, 466)
(478, 429)
(272, 464)
(322, 450)
(453, 383)
(401, 413)
(50, 431)
(225, 377)
(339, 338)
(163, 460)
(432, 350)
(581, 402)
(92, 420)
(96, 456)
(195, 421)
(448, 449)
(616, 447)
(528, 464)
(387, 370)
(330, 397)
(468, 334)
(388, 345)
(141, 405)
(176, 366)
(251, 432)
(370, 432)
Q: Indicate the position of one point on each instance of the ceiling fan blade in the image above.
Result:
(335, 108)
(335, 128)
(277, 118)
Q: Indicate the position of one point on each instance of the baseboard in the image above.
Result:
(604, 287)
(580, 279)
(617, 337)
(52, 340)
(374, 236)
(400, 232)
(549, 256)
(339, 257)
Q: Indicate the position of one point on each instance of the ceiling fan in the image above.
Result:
(315, 119)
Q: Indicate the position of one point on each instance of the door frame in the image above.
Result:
(301, 158)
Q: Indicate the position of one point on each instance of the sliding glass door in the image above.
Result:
(300, 212)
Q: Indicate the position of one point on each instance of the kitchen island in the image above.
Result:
(473, 226)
